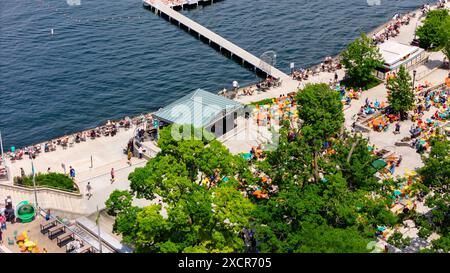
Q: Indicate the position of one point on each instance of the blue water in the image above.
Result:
(112, 58)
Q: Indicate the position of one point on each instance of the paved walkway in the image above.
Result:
(106, 152)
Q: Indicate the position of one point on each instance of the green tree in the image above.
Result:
(401, 96)
(446, 38)
(433, 32)
(286, 222)
(326, 239)
(436, 169)
(207, 221)
(118, 201)
(360, 59)
(320, 110)
(354, 160)
(442, 244)
(191, 217)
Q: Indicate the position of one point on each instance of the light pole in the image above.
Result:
(3, 156)
(34, 183)
(1, 149)
(415, 30)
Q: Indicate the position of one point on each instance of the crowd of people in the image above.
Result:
(301, 74)
(425, 128)
(171, 2)
(329, 65)
(393, 28)
(348, 94)
(370, 107)
(268, 83)
(273, 112)
(109, 129)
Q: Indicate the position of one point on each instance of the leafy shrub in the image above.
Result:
(51, 180)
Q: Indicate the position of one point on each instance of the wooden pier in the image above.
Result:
(214, 40)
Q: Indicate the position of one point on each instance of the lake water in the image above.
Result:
(110, 58)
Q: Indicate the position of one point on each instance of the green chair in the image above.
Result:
(15, 234)
(10, 241)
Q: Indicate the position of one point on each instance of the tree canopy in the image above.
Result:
(436, 169)
(321, 111)
(401, 94)
(360, 59)
(330, 212)
(434, 32)
(192, 216)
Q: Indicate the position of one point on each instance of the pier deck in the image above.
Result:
(160, 8)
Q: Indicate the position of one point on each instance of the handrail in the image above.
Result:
(40, 210)
(31, 189)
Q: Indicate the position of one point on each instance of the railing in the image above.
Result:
(29, 189)
(43, 213)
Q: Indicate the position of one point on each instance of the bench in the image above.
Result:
(85, 249)
(46, 225)
(55, 231)
(64, 238)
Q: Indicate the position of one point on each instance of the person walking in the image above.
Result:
(88, 190)
(112, 175)
(129, 157)
(2, 221)
(47, 215)
(72, 173)
(400, 158)
(22, 172)
(140, 151)
(397, 128)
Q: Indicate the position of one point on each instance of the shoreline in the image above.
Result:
(134, 118)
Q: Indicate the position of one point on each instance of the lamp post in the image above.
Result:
(415, 30)
(414, 79)
(34, 183)
(3, 156)
(1, 149)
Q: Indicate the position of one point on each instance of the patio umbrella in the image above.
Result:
(29, 244)
(397, 193)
